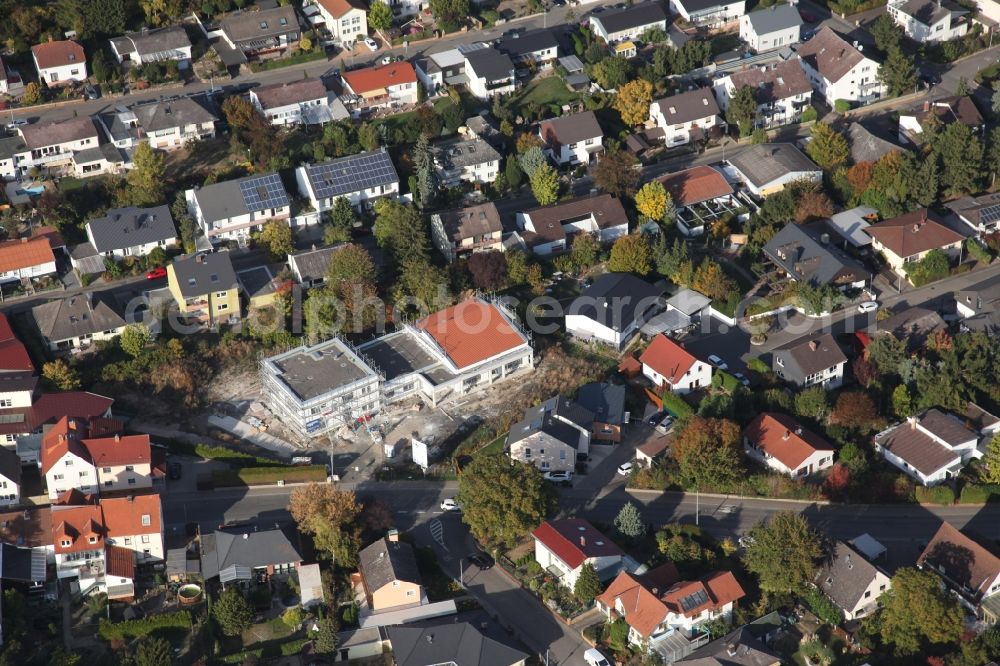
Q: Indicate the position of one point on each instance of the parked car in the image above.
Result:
(665, 425)
(558, 477)
(593, 657)
(718, 362)
(450, 505)
(90, 92)
(481, 560)
(371, 44)
(18, 122)
(156, 273)
(741, 378)
(868, 306)
(625, 469)
(656, 418)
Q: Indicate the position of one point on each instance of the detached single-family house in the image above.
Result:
(956, 109)
(769, 167)
(361, 179)
(908, 238)
(838, 70)
(784, 445)
(968, 569)
(607, 403)
(979, 306)
(132, 231)
(244, 555)
(915, 324)
(550, 230)
(72, 145)
(345, 20)
(26, 258)
(981, 214)
(389, 576)
(930, 447)
(662, 610)
(686, 117)
(309, 266)
(573, 139)
(10, 81)
(708, 13)
(564, 546)
(538, 48)
(437, 70)
(772, 28)
(803, 257)
(205, 288)
(157, 45)
(742, 647)
(851, 582)
(170, 124)
(453, 643)
(670, 366)
(701, 195)
(261, 33)
(781, 89)
(60, 62)
(929, 20)
(380, 86)
(460, 233)
(818, 360)
(489, 73)
(865, 146)
(613, 309)
(622, 24)
(304, 101)
(551, 436)
(76, 321)
(234, 209)
(468, 160)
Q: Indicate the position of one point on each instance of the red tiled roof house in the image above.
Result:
(59, 62)
(781, 443)
(25, 258)
(382, 86)
(701, 195)
(669, 365)
(563, 546)
(908, 238)
(969, 569)
(663, 611)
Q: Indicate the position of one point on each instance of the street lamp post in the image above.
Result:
(461, 572)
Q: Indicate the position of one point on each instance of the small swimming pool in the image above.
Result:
(32, 190)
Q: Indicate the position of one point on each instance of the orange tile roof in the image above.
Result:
(338, 8)
(381, 76)
(120, 562)
(64, 437)
(58, 53)
(118, 450)
(667, 358)
(51, 234)
(77, 524)
(471, 332)
(784, 438)
(72, 435)
(913, 233)
(692, 186)
(124, 515)
(13, 354)
(24, 253)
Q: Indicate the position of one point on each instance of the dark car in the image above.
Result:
(90, 92)
(656, 418)
(481, 560)
(175, 470)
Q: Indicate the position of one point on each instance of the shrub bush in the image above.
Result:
(117, 631)
(935, 495)
(841, 106)
(973, 494)
(824, 609)
(809, 114)
(256, 476)
(676, 405)
(757, 365)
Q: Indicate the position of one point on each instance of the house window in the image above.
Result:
(128, 541)
(395, 583)
(145, 538)
(108, 484)
(145, 520)
(6, 402)
(64, 543)
(131, 482)
(57, 477)
(106, 470)
(868, 593)
(69, 462)
(92, 539)
(129, 468)
(83, 474)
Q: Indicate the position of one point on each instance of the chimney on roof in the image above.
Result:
(913, 422)
(246, 536)
(656, 591)
(927, 106)
(430, 638)
(131, 498)
(24, 240)
(392, 535)
(118, 437)
(50, 39)
(788, 433)
(813, 345)
(583, 541)
(200, 258)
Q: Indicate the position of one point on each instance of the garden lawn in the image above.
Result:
(544, 92)
(493, 448)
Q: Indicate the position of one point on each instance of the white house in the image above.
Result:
(573, 139)
(685, 117)
(566, 545)
(76, 321)
(784, 445)
(708, 13)
(931, 447)
(768, 168)
(489, 73)
(54, 145)
(158, 45)
(929, 20)
(668, 365)
(621, 24)
(818, 360)
(465, 159)
(612, 309)
(458, 234)
(132, 231)
(947, 110)
(60, 62)
(533, 47)
(444, 67)
(968, 569)
(772, 28)
(781, 90)
(305, 101)
(839, 70)
(10, 81)
(25, 258)
(361, 179)
(381, 86)
(233, 209)
(346, 21)
(10, 477)
(851, 582)
(548, 230)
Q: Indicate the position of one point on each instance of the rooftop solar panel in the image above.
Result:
(990, 214)
(694, 600)
(352, 174)
(264, 192)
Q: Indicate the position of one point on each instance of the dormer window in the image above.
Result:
(65, 543)
(92, 539)
(263, 25)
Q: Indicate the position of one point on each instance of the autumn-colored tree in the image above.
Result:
(708, 453)
(526, 141)
(489, 269)
(711, 280)
(837, 479)
(331, 516)
(32, 94)
(631, 254)
(812, 206)
(276, 238)
(854, 409)
(864, 371)
(144, 182)
(545, 185)
(633, 101)
(616, 174)
(860, 176)
(940, 341)
(651, 200)
(61, 376)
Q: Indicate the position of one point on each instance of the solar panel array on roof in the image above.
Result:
(694, 600)
(264, 192)
(352, 174)
(11, 418)
(990, 214)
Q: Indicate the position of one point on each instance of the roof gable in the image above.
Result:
(784, 438)
(668, 359)
(574, 541)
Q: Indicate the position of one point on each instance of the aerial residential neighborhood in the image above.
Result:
(497, 333)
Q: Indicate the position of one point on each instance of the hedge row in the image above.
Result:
(212, 452)
(111, 631)
(935, 495)
(258, 476)
(268, 650)
(675, 404)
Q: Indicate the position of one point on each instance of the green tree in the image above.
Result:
(502, 499)
(902, 401)
(742, 110)
(811, 403)
(783, 552)
(450, 13)
(423, 161)
(887, 352)
(513, 173)
(293, 617)
(531, 160)
(276, 238)
(368, 133)
(133, 339)
(707, 451)
(828, 147)
(325, 639)
(32, 94)
(145, 182)
(588, 584)
(379, 16)
(61, 376)
(584, 251)
(612, 73)
(233, 612)
(961, 155)
(651, 200)
(631, 254)
(917, 610)
(989, 468)
(342, 220)
(888, 35)
(401, 230)
(188, 231)
(629, 523)
(759, 136)
(545, 185)
(426, 283)
(897, 73)
(154, 651)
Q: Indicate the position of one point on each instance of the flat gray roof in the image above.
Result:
(310, 372)
(398, 354)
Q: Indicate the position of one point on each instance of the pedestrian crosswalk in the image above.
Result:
(437, 532)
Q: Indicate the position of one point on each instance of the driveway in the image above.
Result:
(730, 343)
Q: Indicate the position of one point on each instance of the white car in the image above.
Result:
(718, 362)
(18, 122)
(625, 469)
(450, 505)
(593, 657)
(665, 425)
(558, 477)
(746, 541)
(868, 306)
(371, 44)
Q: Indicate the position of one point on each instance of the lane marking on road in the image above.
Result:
(437, 532)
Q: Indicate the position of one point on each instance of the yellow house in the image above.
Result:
(908, 238)
(259, 285)
(205, 288)
(389, 575)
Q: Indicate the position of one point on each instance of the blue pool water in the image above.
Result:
(32, 190)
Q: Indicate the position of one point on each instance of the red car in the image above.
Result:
(157, 273)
